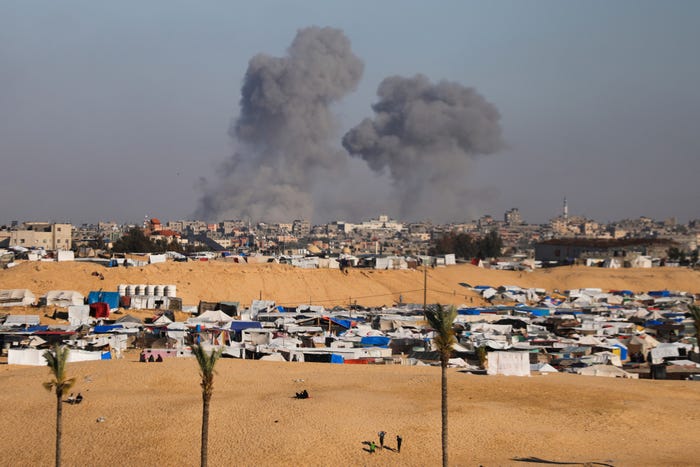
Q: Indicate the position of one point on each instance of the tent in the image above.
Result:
(110, 298)
(99, 310)
(609, 371)
(78, 314)
(508, 363)
(16, 297)
(22, 320)
(62, 298)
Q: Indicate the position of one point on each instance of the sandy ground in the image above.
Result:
(217, 281)
(152, 416)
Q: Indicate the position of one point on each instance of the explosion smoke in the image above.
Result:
(284, 132)
(425, 134)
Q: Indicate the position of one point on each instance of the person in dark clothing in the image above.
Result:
(399, 440)
(381, 439)
(159, 358)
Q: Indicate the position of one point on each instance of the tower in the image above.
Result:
(566, 209)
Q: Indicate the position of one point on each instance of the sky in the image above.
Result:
(120, 110)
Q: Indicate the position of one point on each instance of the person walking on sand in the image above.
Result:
(372, 447)
(399, 439)
(381, 439)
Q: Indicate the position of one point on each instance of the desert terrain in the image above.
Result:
(150, 413)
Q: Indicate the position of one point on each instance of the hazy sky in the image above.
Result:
(116, 110)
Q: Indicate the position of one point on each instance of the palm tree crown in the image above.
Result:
(442, 319)
(57, 360)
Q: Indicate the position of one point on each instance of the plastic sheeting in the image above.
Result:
(509, 363)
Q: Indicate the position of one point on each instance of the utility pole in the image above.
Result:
(425, 287)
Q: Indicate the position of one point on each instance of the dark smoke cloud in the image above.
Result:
(425, 134)
(284, 133)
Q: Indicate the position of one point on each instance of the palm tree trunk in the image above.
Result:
(59, 419)
(205, 428)
(444, 414)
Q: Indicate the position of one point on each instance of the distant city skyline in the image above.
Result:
(115, 111)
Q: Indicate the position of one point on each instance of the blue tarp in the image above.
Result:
(539, 311)
(107, 328)
(37, 328)
(335, 358)
(346, 323)
(106, 356)
(242, 325)
(483, 287)
(110, 298)
(375, 341)
(469, 311)
(653, 322)
(660, 293)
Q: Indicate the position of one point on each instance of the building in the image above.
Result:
(43, 235)
(513, 217)
(567, 250)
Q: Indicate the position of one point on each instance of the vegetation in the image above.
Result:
(136, 241)
(442, 321)
(466, 246)
(206, 361)
(695, 315)
(57, 360)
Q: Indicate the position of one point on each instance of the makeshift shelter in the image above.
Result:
(62, 298)
(508, 363)
(22, 320)
(16, 297)
(110, 298)
(78, 314)
(609, 371)
(99, 310)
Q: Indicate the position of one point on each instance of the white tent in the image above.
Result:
(16, 297)
(509, 363)
(78, 314)
(62, 298)
(609, 371)
(22, 320)
(211, 317)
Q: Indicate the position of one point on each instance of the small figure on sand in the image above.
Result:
(381, 435)
(399, 440)
(302, 395)
(372, 447)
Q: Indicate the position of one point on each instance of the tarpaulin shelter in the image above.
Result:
(99, 310)
(110, 298)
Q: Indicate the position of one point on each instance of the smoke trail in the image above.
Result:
(425, 134)
(284, 130)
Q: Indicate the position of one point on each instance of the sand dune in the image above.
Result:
(287, 285)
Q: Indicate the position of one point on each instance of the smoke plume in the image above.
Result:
(425, 134)
(284, 133)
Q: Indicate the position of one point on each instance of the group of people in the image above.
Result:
(303, 394)
(382, 435)
(151, 358)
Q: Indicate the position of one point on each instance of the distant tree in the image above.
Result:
(206, 361)
(465, 246)
(57, 360)
(441, 320)
(134, 241)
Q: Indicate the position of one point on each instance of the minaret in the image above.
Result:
(566, 210)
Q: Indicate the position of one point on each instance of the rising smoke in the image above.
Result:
(285, 130)
(425, 134)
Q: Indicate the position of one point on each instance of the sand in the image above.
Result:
(152, 416)
(152, 411)
(217, 281)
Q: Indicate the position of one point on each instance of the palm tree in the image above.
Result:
(206, 361)
(56, 360)
(695, 315)
(442, 321)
